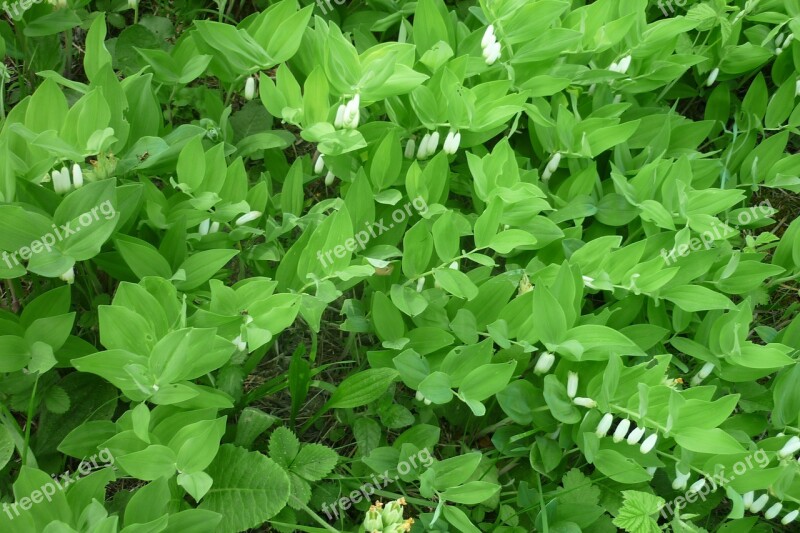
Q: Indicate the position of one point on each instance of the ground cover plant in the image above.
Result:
(382, 265)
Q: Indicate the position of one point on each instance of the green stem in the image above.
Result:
(318, 519)
(29, 421)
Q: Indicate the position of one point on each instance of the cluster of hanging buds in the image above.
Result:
(388, 518)
(756, 505)
(61, 179)
(622, 432)
(428, 145)
(319, 168)
(491, 46)
(207, 227)
(782, 41)
(552, 166)
(348, 114)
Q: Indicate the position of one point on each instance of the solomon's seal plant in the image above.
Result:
(591, 326)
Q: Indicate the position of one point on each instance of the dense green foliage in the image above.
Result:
(384, 265)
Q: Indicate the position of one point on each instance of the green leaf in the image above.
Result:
(362, 388)
(637, 512)
(248, 489)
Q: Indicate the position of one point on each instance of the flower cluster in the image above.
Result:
(387, 519)
(624, 432)
(348, 114)
(61, 179)
(756, 505)
(491, 46)
(552, 166)
(783, 40)
(319, 167)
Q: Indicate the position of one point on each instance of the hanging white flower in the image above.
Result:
(248, 217)
(77, 176)
(759, 503)
(773, 511)
(319, 165)
(584, 402)
(712, 77)
(204, 226)
(572, 384)
(68, 276)
(338, 122)
(649, 443)
(604, 425)
(250, 88)
(411, 147)
(622, 430)
(544, 363)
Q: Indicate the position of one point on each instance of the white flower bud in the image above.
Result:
(426, 401)
(797, 88)
(411, 146)
(759, 503)
(448, 143)
(622, 430)
(422, 152)
(697, 485)
(651, 470)
(338, 122)
(649, 443)
(492, 53)
(584, 402)
(250, 88)
(248, 217)
(489, 37)
(351, 114)
(773, 511)
(133, 3)
(680, 478)
(706, 370)
(613, 67)
(572, 384)
(240, 344)
(433, 143)
(552, 165)
(747, 499)
(214, 227)
(77, 176)
(604, 425)
(68, 276)
(454, 265)
(319, 165)
(204, 226)
(790, 448)
(456, 141)
(790, 517)
(420, 284)
(419, 396)
(624, 64)
(329, 177)
(712, 77)
(635, 435)
(544, 363)
(61, 182)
